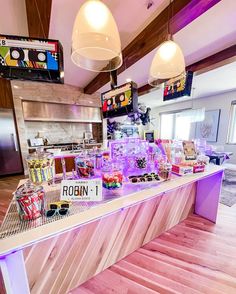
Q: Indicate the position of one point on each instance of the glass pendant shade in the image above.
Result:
(96, 42)
(167, 63)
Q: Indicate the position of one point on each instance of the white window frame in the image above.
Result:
(232, 124)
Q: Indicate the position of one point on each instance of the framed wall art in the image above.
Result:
(208, 128)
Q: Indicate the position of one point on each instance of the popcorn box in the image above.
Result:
(182, 169)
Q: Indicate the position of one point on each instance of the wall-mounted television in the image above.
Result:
(120, 101)
(179, 87)
(31, 59)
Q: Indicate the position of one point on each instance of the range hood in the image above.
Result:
(55, 112)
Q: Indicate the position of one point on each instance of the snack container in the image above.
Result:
(182, 169)
(112, 177)
(85, 166)
(30, 201)
(198, 168)
(41, 167)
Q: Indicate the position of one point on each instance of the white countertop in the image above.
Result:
(26, 238)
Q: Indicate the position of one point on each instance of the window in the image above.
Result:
(167, 123)
(177, 125)
(232, 125)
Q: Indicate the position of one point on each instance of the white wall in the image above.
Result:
(221, 101)
(13, 20)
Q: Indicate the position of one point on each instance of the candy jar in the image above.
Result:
(85, 165)
(41, 167)
(165, 170)
(30, 201)
(112, 176)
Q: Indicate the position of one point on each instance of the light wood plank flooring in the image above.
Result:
(7, 187)
(195, 256)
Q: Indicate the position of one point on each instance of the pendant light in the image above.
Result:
(168, 61)
(96, 42)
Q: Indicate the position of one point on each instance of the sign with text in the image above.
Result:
(81, 190)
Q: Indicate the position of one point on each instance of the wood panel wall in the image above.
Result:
(61, 263)
(38, 17)
(6, 98)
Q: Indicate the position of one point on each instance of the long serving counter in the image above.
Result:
(57, 255)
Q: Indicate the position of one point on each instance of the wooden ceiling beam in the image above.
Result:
(209, 63)
(38, 17)
(183, 12)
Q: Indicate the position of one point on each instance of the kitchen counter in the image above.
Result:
(63, 145)
(70, 250)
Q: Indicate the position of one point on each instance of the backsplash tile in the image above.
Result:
(57, 132)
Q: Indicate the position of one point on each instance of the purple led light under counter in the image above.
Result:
(207, 197)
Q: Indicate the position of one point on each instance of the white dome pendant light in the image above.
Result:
(167, 63)
(96, 42)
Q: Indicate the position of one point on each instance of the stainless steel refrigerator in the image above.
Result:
(10, 158)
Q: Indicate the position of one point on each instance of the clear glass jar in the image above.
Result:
(165, 170)
(112, 176)
(41, 167)
(30, 201)
(85, 165)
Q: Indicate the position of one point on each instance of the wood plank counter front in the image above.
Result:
(76, 248)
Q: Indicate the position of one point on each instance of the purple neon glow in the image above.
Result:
(189, 13)
(207, 198)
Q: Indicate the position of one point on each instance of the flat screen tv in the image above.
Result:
(178, 87)
(120, 101)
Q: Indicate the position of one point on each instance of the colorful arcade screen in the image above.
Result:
(120, 101)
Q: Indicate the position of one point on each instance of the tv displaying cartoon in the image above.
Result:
(120, 101)
(178, 87)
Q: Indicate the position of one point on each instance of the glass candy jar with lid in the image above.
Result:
(85, 165)
(141, 157)
(112, 176)
(41, 167)
(30, 201)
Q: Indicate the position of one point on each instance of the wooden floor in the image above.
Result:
(7, 187)
(195, 256)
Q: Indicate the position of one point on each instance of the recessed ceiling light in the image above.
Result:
(91, 102)
(128, 80)
(16, 87)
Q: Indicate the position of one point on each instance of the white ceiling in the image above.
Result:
(222, 79)
(13, 20)
(131, 17)
(210, 33)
